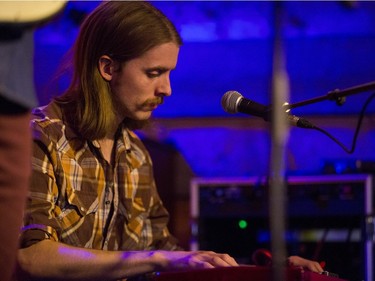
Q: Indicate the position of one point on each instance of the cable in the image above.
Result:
(359, 123)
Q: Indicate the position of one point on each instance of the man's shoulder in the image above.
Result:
(47, 115)
(50, 110)
(48, 122)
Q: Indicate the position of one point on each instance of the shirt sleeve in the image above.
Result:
(159, 215)
(39, 220)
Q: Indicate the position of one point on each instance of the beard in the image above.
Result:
(133, 124)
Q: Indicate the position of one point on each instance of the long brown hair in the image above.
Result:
(122, 30)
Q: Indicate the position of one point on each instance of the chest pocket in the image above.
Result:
(79, 205)
(79, 197)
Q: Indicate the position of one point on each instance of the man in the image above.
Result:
(94, 211)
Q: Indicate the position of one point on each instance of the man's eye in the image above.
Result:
(153, 74)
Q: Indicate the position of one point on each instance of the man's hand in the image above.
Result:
(175, 260)
(308, 264)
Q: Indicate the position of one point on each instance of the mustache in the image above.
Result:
(154, 101)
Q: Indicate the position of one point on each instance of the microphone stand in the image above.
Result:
(280, 132)
(279, 136)
(337, 95)
(340, 97)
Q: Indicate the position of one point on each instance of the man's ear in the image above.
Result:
(106, 67)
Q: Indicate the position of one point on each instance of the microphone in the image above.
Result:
(234, 102)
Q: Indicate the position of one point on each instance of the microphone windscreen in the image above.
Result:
(230, 101)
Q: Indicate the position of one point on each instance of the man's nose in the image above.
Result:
(165, 86)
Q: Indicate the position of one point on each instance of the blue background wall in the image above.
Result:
(228, 46)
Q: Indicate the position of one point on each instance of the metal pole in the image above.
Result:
(279, 132)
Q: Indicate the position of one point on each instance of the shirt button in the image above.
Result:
(107, 202)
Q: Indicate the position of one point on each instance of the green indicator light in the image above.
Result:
(242, 224)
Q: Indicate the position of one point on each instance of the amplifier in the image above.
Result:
(329, 217)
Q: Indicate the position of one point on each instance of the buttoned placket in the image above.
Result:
(106, 198)
(107, 202)
(111, 200)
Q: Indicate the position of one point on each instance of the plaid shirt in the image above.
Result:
(78, 198)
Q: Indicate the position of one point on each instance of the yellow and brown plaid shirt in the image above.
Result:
(78, 198)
